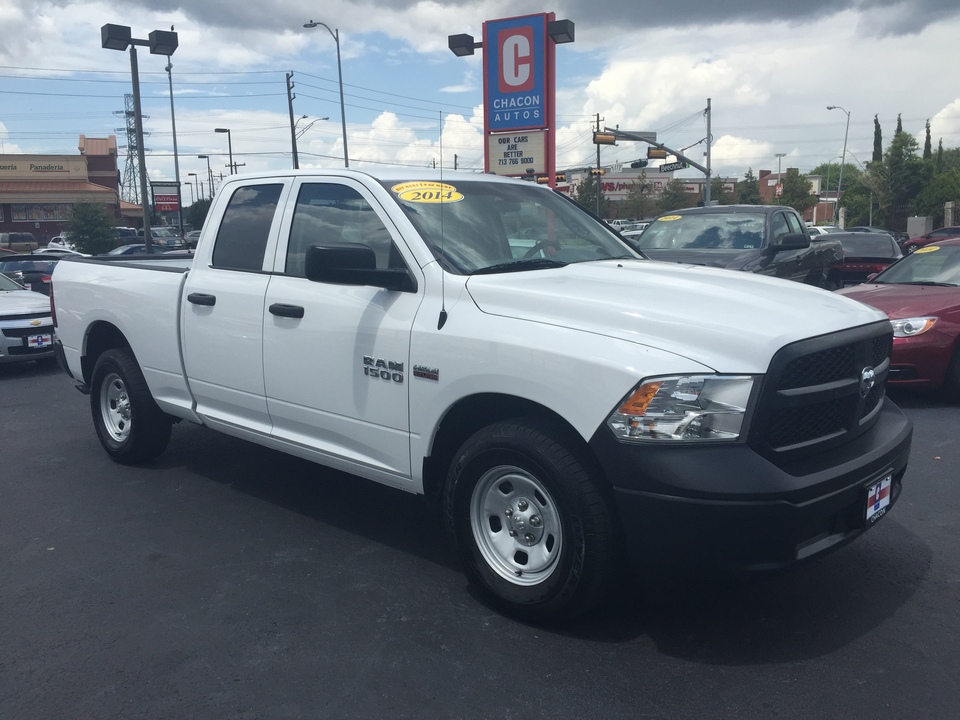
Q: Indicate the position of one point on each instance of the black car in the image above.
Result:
(764, 239)
(31, 271)
(866, 254)
(900, 237)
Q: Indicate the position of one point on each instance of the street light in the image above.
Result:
(229, 145)
(176, 156)
(160, 42)
(335, 34)
(779, 156)
(301, 133)
(843, 159)
(209, 173)
(196, 182)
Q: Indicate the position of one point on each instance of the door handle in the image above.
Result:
(202, 299)
(284, 310)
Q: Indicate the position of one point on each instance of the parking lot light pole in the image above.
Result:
(843, 159)
(779, 157)
(209, 173)
(160, 42)
(335, 34)
(229, 145)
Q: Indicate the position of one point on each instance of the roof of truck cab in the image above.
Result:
(379, 174)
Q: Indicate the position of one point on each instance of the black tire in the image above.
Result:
(534, 526)
(130, 425)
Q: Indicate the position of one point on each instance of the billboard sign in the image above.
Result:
(515, 73)
(516, 153)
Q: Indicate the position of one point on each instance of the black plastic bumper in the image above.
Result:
(61, 358)
(727, 507)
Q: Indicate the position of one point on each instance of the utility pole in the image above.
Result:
(706, 191)
(597, 176)
(293, 127)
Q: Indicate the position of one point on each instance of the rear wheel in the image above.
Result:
(130, 425)
(909, 248)
(534, 526)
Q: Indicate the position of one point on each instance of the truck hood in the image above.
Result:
(729, 321)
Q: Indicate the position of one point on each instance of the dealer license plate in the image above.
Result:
(878, 498)
(39, 341)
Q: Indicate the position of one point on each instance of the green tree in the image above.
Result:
(719, 193)
(797, 191)
(675, 197)
(90, 227)
(639, 203)
(748, 189)
(938, 165)
(877, 140)
(927, 148)
(899, 125)
(197, 213)
(942, 188)
(907, 174)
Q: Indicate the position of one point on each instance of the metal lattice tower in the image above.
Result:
(129, 185)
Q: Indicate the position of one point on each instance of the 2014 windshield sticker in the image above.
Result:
(928, 249)
(665, 218)
(427, 192)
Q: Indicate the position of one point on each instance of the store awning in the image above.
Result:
(55, 191)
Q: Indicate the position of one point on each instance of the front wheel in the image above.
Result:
(130, 425)
(533, 524)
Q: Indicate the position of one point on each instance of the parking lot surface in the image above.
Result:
(230, 581)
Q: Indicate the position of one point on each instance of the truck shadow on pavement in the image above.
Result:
(777, 618)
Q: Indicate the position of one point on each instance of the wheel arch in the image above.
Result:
(101, 336)
(472, 413)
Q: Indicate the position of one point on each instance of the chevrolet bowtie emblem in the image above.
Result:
(34, 322)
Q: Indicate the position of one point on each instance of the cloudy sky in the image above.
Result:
(770, 69)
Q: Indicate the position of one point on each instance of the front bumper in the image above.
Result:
(727, 507)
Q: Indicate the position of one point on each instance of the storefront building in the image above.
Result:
(37, 192)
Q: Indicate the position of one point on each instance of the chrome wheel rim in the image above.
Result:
(516, 525)
(115, 407)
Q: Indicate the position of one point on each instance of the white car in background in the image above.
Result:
(814, 230)
(26, 325)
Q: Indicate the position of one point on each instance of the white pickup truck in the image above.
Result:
(570, 405)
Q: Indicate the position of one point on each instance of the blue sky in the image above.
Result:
(770, 70)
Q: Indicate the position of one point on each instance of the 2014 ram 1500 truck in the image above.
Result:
(486, 342)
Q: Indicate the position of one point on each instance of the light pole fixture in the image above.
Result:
(160, 42)
(779, 157)
(843, 159)
(301, 133)
(335, 34)
(176, 155)
(209, 173)
(229, 145)
(196, 182)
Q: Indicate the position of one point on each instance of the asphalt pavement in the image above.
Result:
(226, 580)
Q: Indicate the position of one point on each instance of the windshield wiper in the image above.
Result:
(520, 265)
(929, 282)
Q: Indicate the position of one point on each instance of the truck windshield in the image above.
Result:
(478, 226)
(703, 231)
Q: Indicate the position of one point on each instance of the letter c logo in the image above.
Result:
(516, 59)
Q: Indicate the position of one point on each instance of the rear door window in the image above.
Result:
(245, 227)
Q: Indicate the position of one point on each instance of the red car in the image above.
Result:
(921, 296)
(934, 236)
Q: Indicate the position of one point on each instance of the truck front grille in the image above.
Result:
(817, 393)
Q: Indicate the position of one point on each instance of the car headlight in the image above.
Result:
(684, 408)
(911, 327)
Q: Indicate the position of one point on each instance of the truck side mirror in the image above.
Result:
(353, 264)
(790, 241)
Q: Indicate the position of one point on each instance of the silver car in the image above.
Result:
(26, 326)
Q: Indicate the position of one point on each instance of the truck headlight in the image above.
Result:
(911, 327)
(684, 408)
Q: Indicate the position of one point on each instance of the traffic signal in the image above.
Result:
(598, 171)
(542, 179)
(638, 164)
(603, 138)
(561, 177)
(656, 153)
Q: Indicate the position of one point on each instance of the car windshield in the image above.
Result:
(931, 265)
(474, 227)
(8, 285)
(704, 231)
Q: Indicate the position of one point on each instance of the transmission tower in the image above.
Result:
(130, 186)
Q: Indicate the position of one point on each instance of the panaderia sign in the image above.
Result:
(42, 167)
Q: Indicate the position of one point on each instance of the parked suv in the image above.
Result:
(18, 241)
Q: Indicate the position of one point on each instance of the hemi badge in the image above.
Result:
(426, 372)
